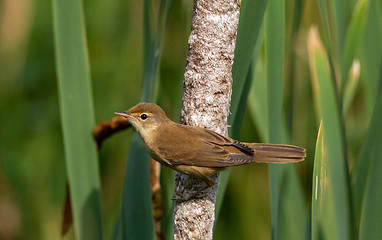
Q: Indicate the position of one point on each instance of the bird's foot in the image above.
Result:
(179, 197)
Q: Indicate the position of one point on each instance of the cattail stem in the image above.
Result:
(207, 89)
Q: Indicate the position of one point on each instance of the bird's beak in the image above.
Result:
(123, 114)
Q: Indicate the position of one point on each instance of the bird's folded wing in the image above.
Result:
(212, 155)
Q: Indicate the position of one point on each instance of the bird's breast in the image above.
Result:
(153, 148)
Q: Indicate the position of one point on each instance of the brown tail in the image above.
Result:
(277, 153)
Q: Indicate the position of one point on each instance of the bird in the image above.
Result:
(197, 151)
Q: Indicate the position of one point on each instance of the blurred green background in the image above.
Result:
(32, 161)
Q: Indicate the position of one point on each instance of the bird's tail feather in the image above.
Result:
(276, 153)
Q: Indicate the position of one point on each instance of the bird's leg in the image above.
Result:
(178, 197)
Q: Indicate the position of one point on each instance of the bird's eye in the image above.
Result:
(143, 116)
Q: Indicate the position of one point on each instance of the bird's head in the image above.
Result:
(144, 117)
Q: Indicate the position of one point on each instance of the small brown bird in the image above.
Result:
(200, 152)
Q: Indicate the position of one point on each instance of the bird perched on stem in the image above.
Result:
(197, 151)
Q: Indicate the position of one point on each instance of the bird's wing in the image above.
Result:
(213, 150)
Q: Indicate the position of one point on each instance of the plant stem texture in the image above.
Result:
(207, 89)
